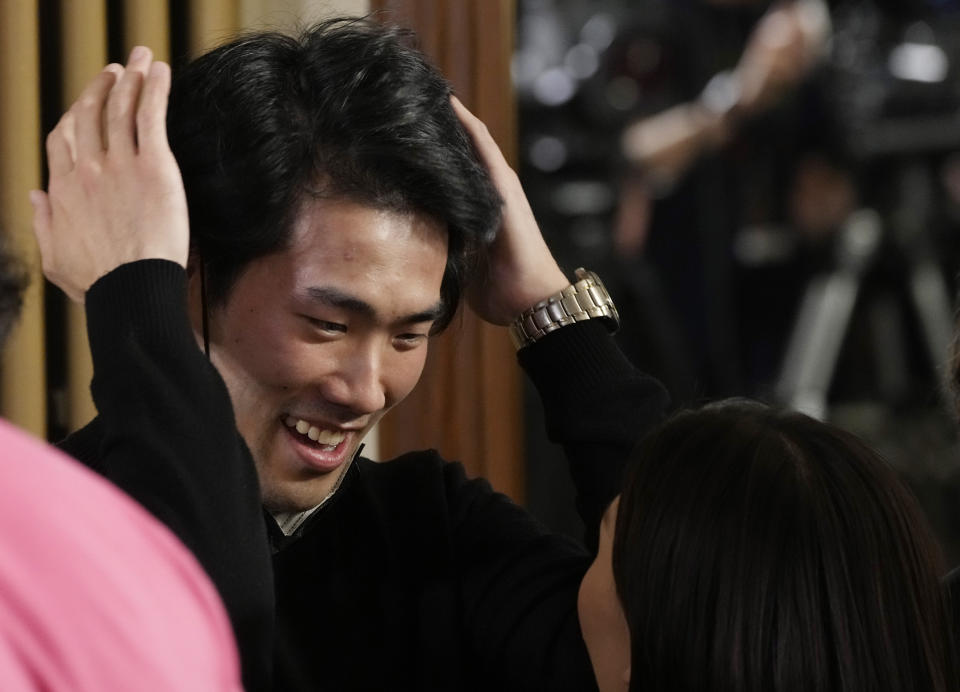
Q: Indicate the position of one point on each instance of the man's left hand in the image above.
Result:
(520, 270)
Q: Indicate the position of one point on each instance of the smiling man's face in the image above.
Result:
(317, 342)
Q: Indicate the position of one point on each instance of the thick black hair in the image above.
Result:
(758, 549)
(348, 108)
(13, 282)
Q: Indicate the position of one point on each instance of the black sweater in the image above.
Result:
(412, 577)
(166, 435)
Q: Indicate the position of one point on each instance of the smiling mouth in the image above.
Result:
(326, 440)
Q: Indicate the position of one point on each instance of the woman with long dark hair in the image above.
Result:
(756, 549)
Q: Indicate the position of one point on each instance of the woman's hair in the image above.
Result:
(758, 549)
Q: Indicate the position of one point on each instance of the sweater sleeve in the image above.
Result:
(518, 589)
(520, 581)
(168, 438)
(597, 405)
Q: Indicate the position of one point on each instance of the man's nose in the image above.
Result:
(357, 384)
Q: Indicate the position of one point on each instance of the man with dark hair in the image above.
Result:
(340, 203)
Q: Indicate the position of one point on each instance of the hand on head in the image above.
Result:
(115, 194)
(519, 270)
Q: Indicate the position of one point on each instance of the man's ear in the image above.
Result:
(193, 263)
(626, 678)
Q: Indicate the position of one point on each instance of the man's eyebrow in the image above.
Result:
(336, 298)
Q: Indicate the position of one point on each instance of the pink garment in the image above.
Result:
(95, 594)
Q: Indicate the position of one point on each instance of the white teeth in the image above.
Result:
(329, 438)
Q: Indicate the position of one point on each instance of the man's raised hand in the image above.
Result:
(115, 194)
(520, 270)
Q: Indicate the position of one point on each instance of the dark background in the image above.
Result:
(711, 301)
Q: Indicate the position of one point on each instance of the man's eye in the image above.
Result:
(326, 325)
(409, 340)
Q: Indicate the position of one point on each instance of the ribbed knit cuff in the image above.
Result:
(148, 297)
(577, 360)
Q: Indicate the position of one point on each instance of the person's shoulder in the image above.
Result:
(84, 444)
(85, 615)
(19, 444)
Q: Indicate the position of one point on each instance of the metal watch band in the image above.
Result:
(585, 299)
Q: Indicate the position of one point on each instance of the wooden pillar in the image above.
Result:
(84, 53)
(469, 401)
(23, 377)
(211, 23)
(147, 23)
(287, 15)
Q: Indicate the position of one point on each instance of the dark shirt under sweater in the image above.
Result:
(412, 577)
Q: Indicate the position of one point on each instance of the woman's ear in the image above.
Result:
(626, 678)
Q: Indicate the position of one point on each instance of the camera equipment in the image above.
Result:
(894, 84)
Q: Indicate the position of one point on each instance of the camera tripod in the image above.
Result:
(828, 305)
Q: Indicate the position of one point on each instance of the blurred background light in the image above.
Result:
(554, 87)
(548, 153)
(581, 61)
(919, 62)
(599, 31)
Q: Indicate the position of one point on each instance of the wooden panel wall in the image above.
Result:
(83, 34)
(23, 374)
(147, 24)
(43, 67)
(210, 23)
(469, 402)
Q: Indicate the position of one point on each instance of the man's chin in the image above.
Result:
(299, 495)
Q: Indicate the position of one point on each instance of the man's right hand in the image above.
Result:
(115, 193)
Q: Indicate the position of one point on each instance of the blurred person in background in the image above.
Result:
(745, 209)
(720, 187)
(688, 127)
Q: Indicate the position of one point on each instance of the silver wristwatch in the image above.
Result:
(585, 299)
